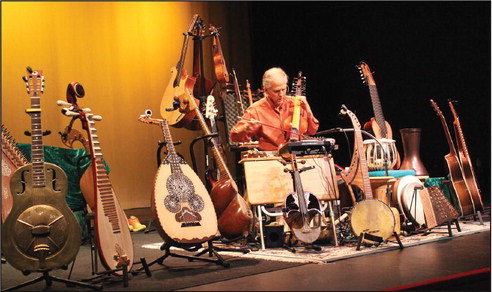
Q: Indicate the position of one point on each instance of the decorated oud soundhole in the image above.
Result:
(183, 200)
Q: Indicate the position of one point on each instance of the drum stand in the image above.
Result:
(166, 247)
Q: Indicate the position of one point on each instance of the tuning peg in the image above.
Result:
(63, 103)
(25, 78)
(29, 69)
(69, 113)
(86, 110)
(96, 118)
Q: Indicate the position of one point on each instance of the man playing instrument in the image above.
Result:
(266, 119)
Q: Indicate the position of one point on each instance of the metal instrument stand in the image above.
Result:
(49, 281)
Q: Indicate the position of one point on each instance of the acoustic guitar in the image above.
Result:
(458, 183)
(372, 217)
(182, 208)
(12, 159)
(114, 241)
(466, 162)
(177, 84)
(41, 233)
(378, 126)
(233, 212)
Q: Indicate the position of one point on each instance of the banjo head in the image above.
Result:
(373, 217)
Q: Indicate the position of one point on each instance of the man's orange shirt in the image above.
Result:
(270, 133)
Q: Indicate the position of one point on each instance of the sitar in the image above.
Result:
(370, 217)
(12, 159)
(378, 126)
(233, 212)
(114, 241)
(181, 206)
(40, 233)
(458, 183)
(466, 162)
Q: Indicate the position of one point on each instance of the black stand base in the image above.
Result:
(50, 279)
(376, 240)
(211, 250)
(291, 242)
(109, 276)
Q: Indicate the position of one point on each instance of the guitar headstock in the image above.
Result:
(365, 74)
(436, 108)
(210, 110)
(146, 118)
(451, 106)
(34, 82)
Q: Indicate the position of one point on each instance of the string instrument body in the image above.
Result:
(12, 159)
(369, 216)
(182, 208)
(114, 241)
(466, 163)
(458, 184)
(233, 212)
(40, 233)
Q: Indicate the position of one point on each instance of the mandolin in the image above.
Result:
(466, 165)
(12, 159)
(41, 233)
(180, 81)
(378, 126)
(181, 206)
(233, 212)
(113, 236)
(458, 184)
(371, 217)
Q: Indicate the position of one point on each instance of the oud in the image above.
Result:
(183, 211)
(41, 233)
(455, 171)
(466, 164)
(113, 236)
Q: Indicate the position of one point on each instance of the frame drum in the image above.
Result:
(375, 153)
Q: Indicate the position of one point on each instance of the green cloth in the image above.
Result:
(443, 184)
(68, 159)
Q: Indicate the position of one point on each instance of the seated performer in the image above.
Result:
(264, 120)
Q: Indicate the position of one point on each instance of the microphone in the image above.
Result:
(329, 131)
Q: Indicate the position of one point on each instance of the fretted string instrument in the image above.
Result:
(114, 241)
(301, 207)
(378, 126)
(181, 206)
(466, 162)
(458, 183)
(233, 212)
(371, 217)
(40, 233)
(12, 159)
(177, 84)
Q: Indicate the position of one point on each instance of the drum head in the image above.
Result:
(398, 189)
(374, 217)
(412, 205)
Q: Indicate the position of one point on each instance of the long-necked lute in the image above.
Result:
(466, 162)
(233, 212)
(370, 216)
(181, 206)
(455, 172)
(114, 241)
(41, 233)
(378, 126)
(12, 159)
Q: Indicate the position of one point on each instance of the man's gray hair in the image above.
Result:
(268, 75)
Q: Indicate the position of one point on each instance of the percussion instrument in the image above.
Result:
(375, 153)
(407, 198)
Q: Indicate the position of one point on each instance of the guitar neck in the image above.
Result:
(452, 150)
(223, 169)
(37, 152)
(378, 110)
(460, 138)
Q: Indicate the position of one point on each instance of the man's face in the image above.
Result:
(276, 91)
